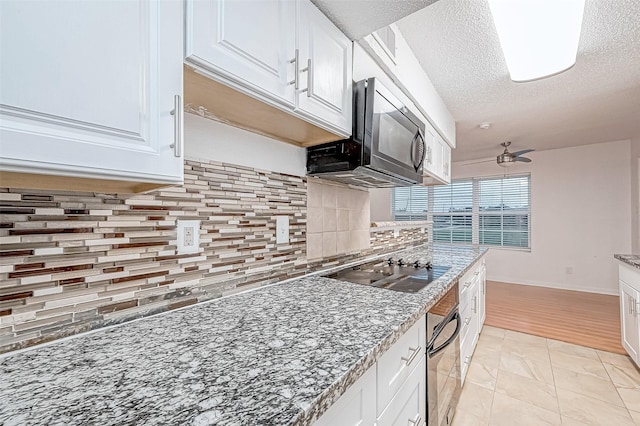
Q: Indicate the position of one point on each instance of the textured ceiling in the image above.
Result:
(597, 100)
(357, 18)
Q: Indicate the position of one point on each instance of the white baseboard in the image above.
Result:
(555, 285)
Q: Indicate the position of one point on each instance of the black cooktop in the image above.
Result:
(392, 275)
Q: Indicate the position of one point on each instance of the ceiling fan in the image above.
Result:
(507, 158)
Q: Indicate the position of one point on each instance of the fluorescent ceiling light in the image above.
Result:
(539, 38)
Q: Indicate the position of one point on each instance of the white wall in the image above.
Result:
(580, 217)
(208, 139)
(635, 195)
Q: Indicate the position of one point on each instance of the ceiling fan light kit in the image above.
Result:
(539, 38)
(507, 158)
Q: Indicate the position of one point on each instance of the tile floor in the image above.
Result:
(517, 379)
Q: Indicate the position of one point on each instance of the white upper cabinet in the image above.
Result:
(285, 53)
(436, 168)
(326, 54)
(88, 90)
(248, 43)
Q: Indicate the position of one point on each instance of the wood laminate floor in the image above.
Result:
(586, 319)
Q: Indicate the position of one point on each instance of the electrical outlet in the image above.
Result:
(568, 270)
(188, 236)
(396, 233)
(282, 229)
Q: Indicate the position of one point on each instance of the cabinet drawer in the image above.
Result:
(408, 407)
(466, 316)
(395, 365)
(630, 276)
(466, 352)
(356, 407)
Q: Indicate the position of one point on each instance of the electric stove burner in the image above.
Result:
(397, 276)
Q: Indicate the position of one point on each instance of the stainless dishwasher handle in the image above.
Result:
(178, 115)
(417, 420)
(414, 354)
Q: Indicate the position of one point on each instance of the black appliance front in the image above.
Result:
(443, 360)
(387, 146)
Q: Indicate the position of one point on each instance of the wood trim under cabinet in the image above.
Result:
(243, 111)
(71, 183)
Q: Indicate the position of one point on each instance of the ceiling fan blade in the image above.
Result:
(524, 151)
(523, 159)
(477, 162)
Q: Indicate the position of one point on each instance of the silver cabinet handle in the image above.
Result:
(467, 284)
(467, 360)
(467, 321)
(476, 273)
(429, 155)
(416, 420)
(178, 116)
(309, 78)
(636, 307)
(296, 70)
(475, 304)
(414, 353)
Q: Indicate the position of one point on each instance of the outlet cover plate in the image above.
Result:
(282, 229)
(188, 236)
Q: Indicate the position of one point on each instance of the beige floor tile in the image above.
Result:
(635, 415)
(571, 349)
(526, 349)
(490, 343)
(532, 368)
(591, 411)
(532, 391)
(510, 411)
(522, 337)
(616, 359)
(623, 377)
(586, 384)
(631, 398)
(568, 421)
(483, 370)
(578, 364)
(487, 330)
(476, 400)
(462, 418)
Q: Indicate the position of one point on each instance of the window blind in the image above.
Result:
(491, 211)
(410, 203)
(452, 212)
(504, 211)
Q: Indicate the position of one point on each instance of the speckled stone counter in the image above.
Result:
(279, 355)
(629, 259)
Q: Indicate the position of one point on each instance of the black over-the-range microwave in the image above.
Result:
(386, 149)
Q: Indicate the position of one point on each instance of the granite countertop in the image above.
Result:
(629, 259)
(278, 355)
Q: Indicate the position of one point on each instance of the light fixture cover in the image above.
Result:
(539, 38)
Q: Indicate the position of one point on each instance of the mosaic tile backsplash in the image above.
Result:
(75, 261)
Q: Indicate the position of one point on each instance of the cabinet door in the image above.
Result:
(629, 317)
(408, 406)
(88, 87)
(429, 164)
(249, 44)
(446, 161)
(356, 407)
(482, 297)
(325, 64)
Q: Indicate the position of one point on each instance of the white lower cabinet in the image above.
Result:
(630, 311)
(356, 407)
(408, 406)
(91, 90)
(392, 391)
(472, 287)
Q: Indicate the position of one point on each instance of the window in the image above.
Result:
(491, 211)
